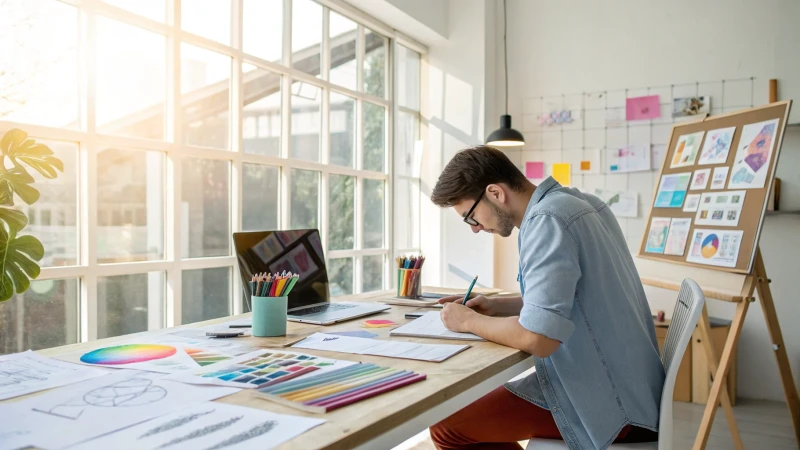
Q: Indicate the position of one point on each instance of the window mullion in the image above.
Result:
(174, 173)
(237, 144)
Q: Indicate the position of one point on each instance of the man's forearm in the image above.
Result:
(507, 331)
(507, 306)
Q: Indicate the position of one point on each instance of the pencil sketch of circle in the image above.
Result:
(132, 392)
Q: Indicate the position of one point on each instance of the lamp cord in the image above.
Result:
(505, 53)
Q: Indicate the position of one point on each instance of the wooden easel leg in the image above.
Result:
(774, 329)
(719, 378)
(711, 354)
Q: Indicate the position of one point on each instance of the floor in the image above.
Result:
(762, 424)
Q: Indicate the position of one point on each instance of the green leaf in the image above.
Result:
(19, 148)
(18, 256)
(13, 138)
(17, 180)
(16, 220)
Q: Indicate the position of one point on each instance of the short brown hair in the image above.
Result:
(470, 171)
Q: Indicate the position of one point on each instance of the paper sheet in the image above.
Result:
(700, 179)
(715, 247)
(686, 150)
(91, 408)
(658, 152)
(27, 372)
(672, 190)
(208, 426)
(690, 106)
(632, 158)
(534, 170)
(253, 370)
(717, 146)
(719, 178)
(752, 158)
(377, 347)
(622, 204)
(721, 209)
(692, 202)
(430, 325)
(562, 173)
(642, 108)
(678, 234)
(657, 236)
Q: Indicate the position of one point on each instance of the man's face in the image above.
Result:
(491, 218)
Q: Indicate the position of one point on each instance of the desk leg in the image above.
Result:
(711, 354)
(719, 378)
(774, 329)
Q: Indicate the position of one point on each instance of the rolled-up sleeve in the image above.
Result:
(550, 269)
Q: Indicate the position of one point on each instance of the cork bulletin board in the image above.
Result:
(712, 191)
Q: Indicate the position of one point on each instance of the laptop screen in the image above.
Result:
(296, 251)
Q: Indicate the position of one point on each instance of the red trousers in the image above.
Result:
(500, 419)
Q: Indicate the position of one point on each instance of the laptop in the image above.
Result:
(300, 252)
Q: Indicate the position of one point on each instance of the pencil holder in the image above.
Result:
(269, 316)
(408, 283)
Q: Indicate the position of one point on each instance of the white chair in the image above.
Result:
(684, 320)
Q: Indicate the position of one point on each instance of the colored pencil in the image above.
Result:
(334, 374)
(368, 394)
(285, 378)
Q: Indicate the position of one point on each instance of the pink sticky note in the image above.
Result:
(534, 169)
(642, 108)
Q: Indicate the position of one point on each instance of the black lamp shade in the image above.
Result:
(505, 136)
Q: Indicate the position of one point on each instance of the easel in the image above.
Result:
(737, 283)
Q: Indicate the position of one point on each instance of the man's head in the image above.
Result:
(480, 183)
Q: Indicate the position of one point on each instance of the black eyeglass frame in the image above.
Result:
(468, 219)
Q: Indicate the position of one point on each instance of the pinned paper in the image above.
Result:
(534, 169)
(642, 108)
(561, 173)
(586, 166)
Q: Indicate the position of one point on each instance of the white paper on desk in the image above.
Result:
(377, 347)
(208, 426)
(82, 411)
(430, 325)
(27, 372)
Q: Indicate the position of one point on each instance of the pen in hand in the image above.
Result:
(469, 291)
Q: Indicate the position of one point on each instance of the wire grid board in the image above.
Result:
(588, 133)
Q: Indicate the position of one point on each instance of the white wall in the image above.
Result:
(584, 46)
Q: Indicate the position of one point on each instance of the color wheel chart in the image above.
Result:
(269, 368)
(128, 354)
(338, 388)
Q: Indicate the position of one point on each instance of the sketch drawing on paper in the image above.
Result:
(254, 432)
(206, 430)
(14, 373)
(125, 393)
(175, 423)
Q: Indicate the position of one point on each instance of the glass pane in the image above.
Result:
(261, 120)
(304, 201)
(131, 80)
(407, 157)
(341, 223)
(130, 206)
(45, 316)
(372, 271)
(343, 129)
(205, 209)
(260, 189)
(306, 121)
(306, 36)
(39, 66)
(124, 302)
(208, 18)
(340, 274)
(344, 35)
(406, 216)
(407, 78)
(374, 63)
(152, 9)
(372, 196)
(205, 88)
(206, 294)
(53, 219)
(374, 147)
(263, 28)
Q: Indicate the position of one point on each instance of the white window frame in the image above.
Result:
(91, 142)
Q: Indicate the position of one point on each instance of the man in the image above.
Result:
(582, 314)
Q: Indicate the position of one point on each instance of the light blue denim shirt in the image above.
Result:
(580, 286)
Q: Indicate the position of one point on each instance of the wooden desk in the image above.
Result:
(389, 419)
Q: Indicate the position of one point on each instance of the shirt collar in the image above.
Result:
(546, 186)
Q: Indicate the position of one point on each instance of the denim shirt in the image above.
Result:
(580, 286)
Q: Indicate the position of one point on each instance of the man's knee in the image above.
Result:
(445, 437)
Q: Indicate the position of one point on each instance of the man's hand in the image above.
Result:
(455, 317)
(479, 304)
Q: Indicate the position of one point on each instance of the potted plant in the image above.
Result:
(19, 254)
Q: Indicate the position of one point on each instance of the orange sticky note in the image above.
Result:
(561, 172)
(586, 165)
(378, 323)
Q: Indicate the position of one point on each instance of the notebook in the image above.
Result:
(430, 326)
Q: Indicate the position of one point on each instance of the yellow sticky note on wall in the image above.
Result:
(561, 172)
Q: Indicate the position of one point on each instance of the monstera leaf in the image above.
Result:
(17, 260)
(16, 145)
(16, 220)
(17, 180)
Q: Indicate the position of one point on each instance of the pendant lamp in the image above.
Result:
(505, 136)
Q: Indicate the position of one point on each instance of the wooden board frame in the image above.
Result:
(755, 201)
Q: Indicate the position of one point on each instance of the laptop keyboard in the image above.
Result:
(321, 308)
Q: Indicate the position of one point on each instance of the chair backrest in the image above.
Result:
(684, 320)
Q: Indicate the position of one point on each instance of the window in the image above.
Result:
(174, 133)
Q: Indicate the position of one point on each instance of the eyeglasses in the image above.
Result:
(468, 217)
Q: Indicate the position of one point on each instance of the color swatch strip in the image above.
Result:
(339, 387)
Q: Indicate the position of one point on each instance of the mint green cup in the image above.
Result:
(269, 316)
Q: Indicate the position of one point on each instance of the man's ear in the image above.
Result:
(496, 192)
